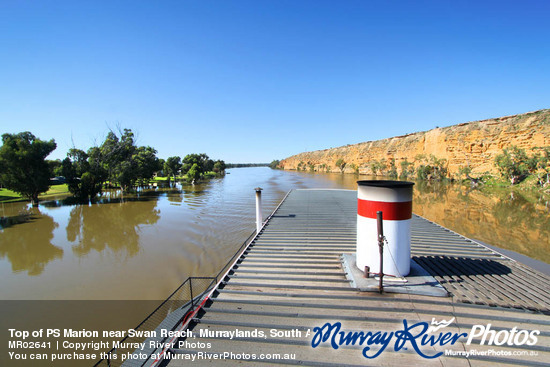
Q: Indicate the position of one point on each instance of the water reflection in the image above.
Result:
(25, 240)
(174, 196)
(112, 224)
(512, 221)
(192, 195)
(194, 198)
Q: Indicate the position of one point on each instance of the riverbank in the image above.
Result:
(8, 196)
(530, 186)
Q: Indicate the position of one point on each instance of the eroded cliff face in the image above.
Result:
(473, 144)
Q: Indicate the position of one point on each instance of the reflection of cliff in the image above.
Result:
(113, 225)
(475, 144)
(28, 246)
(502, 220)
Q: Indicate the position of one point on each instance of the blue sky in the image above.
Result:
(253, 81)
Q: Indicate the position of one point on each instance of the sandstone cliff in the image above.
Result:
(473, 144)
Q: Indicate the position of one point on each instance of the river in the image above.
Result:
(83, 264)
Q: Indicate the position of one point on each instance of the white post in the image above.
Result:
(259, 217)
(394, 200)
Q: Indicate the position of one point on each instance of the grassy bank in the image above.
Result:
(530, 185)
(7, 196)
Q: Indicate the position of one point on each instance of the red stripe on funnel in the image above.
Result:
(390, 211)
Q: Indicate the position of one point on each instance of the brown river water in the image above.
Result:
(106, 265)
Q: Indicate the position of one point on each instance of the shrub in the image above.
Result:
(513, 164)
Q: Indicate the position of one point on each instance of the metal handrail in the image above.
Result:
(190, 304)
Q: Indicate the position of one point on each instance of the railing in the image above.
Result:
(172, 312)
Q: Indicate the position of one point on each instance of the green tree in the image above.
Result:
(124, 168)
(161, 172)
(172, 166)
(393, 169)
(126, 163)
(274, 164)
(208, 165)
(431, 168)
(84, 174)
(194, 173)
(74, 166)
(543, 167)
(56, 167)
(201, 160)
(464, 171)
(513, 164)
(341, 164)
(439, 167)
(96, 167)
(375, 167)
(23, 166)
(423, 172)
(407, 168)
(219, 167)
(116, 156)
(383, 167)
(147, 164)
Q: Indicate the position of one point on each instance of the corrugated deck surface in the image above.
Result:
(291, 279)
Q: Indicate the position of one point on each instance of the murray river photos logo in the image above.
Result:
(418, 335)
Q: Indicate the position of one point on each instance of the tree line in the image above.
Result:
(117, 162)
(193, 166)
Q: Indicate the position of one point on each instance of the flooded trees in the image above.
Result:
(84, 173)
(172, 166)
(118, 160)
(196, 166)
(126, 163)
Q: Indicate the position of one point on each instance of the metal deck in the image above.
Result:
(291, 279)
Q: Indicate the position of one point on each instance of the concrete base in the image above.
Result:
(419, 281)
